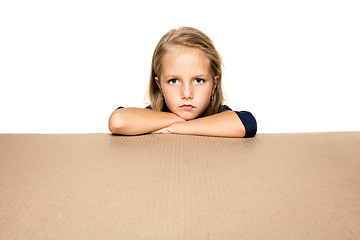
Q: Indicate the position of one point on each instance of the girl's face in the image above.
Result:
(186, 82)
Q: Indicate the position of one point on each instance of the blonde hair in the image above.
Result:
(189, 37)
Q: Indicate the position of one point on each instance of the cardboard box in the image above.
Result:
(100, 186)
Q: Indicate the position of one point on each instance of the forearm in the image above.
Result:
(134, 121)
(225, 124)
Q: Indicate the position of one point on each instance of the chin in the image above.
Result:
(187, 116)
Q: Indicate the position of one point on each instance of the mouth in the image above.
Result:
(187, 107)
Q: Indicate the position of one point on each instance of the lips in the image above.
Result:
(187, 107)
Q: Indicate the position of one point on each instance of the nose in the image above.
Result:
(187, 91)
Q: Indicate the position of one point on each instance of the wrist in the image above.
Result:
(177, 127)
(178, 119)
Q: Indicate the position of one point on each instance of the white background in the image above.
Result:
(66, 65)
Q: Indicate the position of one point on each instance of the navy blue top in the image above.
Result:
(247, 119)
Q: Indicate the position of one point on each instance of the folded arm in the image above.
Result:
(135, 121)
(225, 124)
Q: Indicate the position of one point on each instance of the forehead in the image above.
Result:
(182, 57)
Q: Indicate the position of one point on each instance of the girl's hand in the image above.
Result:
(162, 131)
(168, 129)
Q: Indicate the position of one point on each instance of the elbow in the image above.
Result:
(116, 123)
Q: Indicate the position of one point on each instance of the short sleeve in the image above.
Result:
(247, 119)
(249, 123)
(148, 107)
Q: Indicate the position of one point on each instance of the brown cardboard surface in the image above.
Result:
(100, 186)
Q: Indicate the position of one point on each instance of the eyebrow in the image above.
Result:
(196, 76)
(170, 76)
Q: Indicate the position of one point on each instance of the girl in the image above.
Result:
(185, 93)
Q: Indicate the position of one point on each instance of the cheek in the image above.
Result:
(168, 92)
(169, 97)
(206, 92)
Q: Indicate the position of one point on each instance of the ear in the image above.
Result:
(216, 80)
(158, 83)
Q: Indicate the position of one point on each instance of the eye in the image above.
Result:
(173, 81)
(199, 80)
